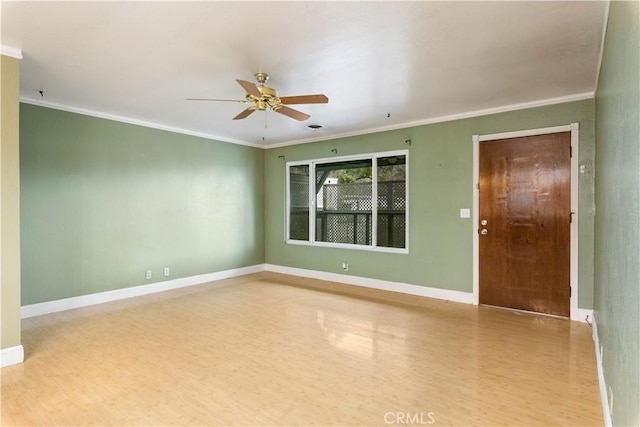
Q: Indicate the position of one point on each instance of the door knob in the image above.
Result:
(484, 231)
(483, 222)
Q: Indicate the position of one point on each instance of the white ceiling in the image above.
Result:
(415, 61)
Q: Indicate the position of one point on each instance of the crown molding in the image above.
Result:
(10, 51)
(467, 115)
(602, 40)
(133, 121)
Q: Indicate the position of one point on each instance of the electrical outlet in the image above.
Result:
(166, 271)
(610, 400)
(345, 266)
(148, 274)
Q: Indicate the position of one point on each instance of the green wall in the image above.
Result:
(103, 201)
(91, 187)
(440, 181)
(617, 221)
(9, 203)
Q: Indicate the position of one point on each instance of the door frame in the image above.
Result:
(573, 268)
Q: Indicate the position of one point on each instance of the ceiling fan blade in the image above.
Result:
(214, 99)
(304, 99)
(290, 112)
(245, 113)
(251, 88)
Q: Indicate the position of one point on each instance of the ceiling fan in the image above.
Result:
(263, 97)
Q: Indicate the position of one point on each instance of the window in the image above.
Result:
(299, 202)
(356, 201)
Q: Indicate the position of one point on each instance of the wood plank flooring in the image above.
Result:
(268, 349)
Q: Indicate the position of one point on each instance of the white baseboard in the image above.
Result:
(405, 288)
(581, 314)
(11, 356)
(134, 291)
(584, 315)
(39, 309)
(604, 397)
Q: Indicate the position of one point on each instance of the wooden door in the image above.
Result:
(525, 214)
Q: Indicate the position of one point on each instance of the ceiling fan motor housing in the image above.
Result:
(269, 97)
(267, 91)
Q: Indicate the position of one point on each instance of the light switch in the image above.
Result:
(465, 213)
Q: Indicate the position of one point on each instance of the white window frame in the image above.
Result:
(374, 202)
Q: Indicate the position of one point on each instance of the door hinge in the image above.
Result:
(478, 186)
(570, 291)
(570, 151)
(571, 217)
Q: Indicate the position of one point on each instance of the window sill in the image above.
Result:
(403, 251)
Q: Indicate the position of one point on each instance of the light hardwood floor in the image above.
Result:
(274, 350)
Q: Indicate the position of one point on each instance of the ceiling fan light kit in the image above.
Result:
(264, 97)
